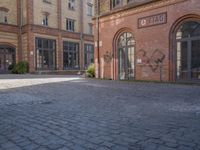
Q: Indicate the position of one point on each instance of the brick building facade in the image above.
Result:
(49, 34)
(147, 39)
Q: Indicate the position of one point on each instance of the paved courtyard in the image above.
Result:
(63, 112)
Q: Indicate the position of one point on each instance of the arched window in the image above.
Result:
(126, 39)
(188, 51)
(126, 56)
(188, 29)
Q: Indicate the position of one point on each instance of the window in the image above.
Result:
(70, 25)
(47, 1)
(88, 55)
(71, 4)
(187, 51)
(90, 28)
(126, 56)
(45, 19)
(89, 9)
(115, 3)
(70, 55)
(45, 54)
(3, 15)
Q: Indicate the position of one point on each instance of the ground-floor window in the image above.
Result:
(88, 55)
(188, 51)
(45, 54)
(7, 58)
(70, 55)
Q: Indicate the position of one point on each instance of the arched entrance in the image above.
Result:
(7, 58)
(188, 51)
(126, 56)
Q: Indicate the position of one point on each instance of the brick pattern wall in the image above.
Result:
(149, 39)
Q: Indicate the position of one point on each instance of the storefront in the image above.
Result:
(155, 41)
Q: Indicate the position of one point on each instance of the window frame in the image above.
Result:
(70, 25)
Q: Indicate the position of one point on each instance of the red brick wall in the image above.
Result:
(149, 39)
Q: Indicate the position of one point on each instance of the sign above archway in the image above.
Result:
(153, 20)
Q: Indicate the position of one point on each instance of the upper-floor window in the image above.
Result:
(47, 1)
(90, 28)
(116, 3)
(70, 25)
(89, 9)
(3, 15)
(71, 4)
(130, 1)
(45, 19)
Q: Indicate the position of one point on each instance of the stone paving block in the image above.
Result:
(70, 115)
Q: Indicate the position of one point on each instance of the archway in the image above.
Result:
(7, 58)
(126, 56)
(187, 39)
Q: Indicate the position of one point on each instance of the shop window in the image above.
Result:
(70, 55)
(88, 55)
(45, 54)
(71, 4)
(187, 51)
(70, 25)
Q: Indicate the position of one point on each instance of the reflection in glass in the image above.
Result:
(71, 55)
(188, 51)
(126, 52)
(45, 53)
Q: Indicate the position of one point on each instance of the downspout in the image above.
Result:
(98, 48)
(81, 63)
(20, 29)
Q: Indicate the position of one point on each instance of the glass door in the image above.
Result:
(195, 59)
(122, 63)
(126, 63)
(182, 60)
(2, 63)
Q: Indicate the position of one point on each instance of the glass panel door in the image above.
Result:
(9, 61)
(131, 63)
(2, 63)
(122, 64)
(182, 60)
(195, 60)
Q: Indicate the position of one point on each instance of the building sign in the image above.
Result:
(152, 20)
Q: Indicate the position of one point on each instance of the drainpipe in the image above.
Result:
(97, 24)
(20, 29)
(81, 38)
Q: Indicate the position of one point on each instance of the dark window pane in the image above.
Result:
(188, 29)
(89, 55)
(71, 55)
(195, 59)
(45, 53)
(182, 60)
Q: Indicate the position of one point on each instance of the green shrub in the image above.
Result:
(91, 71)
(20, 68)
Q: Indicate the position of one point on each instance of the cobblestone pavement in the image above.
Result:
(59, 113)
